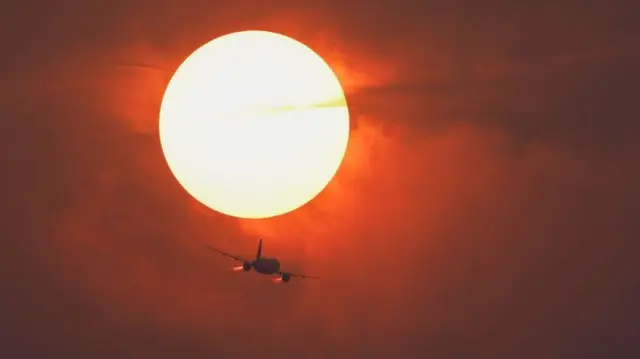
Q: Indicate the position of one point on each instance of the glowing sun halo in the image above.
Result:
(254, 124)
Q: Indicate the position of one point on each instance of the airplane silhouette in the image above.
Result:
(263, 265)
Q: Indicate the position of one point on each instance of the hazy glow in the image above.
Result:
(254, 124)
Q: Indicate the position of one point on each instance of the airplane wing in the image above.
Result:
(226, 254)
(303, 276)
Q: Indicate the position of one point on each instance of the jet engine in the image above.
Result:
(246, 266)
(286, 277)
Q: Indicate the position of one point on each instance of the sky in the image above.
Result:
(486, 207)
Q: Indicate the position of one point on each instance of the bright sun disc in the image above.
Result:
(254, 124)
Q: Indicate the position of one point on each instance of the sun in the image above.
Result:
(254, 124)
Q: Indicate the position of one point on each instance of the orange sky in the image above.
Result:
(486, 206)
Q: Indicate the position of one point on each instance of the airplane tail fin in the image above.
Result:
(259, 249)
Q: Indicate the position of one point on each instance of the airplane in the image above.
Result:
(263, 265)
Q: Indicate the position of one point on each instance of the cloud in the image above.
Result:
(483, 208)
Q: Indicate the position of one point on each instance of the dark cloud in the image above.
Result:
(486, 206)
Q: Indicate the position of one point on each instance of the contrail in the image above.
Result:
(140, 66)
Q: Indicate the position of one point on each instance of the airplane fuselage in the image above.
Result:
(266, 265)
